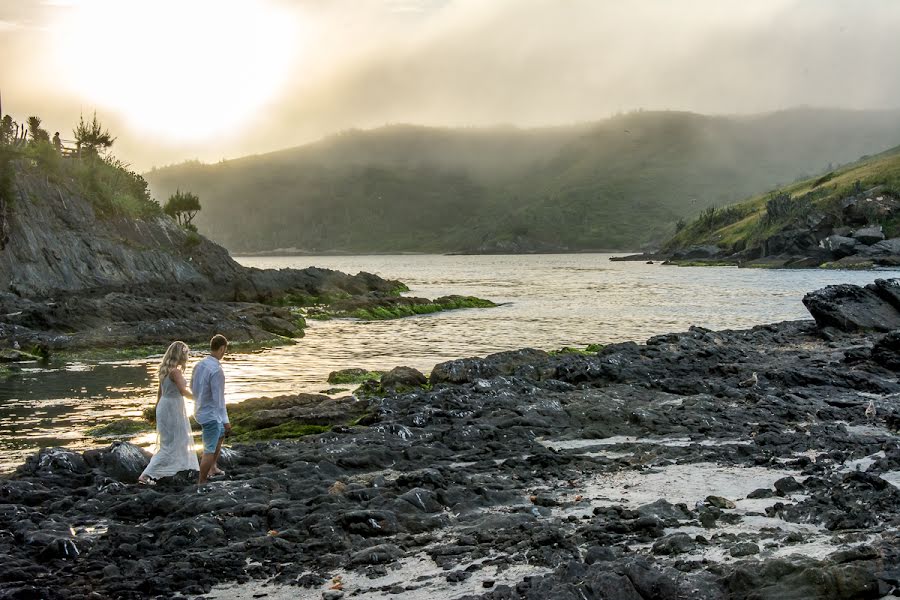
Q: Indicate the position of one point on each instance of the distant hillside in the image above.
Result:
(619, 183)
(846, 217)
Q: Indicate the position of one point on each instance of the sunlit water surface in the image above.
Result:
(548, 301)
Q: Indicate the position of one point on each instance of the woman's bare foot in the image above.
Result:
(144, 480)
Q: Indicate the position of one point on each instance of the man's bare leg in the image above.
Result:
(214, 469)
(206, 463)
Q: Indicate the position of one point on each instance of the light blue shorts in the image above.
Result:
(212, 433)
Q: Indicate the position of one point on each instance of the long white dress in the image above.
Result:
(175, 440)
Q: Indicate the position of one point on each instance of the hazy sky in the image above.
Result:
(208, 79)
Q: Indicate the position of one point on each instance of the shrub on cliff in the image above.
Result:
(183, 207)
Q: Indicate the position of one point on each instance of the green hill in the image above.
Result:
(619, 183)
(861, 194)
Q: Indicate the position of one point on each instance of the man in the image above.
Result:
(208, 387)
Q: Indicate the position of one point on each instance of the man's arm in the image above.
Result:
(218, 391)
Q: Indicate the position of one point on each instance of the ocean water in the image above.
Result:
(547, 301)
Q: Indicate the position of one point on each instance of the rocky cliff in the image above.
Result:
(71, 276)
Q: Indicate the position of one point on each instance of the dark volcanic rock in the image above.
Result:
(840, 246)
(527, 362)
(529, 473)
(868, 235)
(886, 351)
(121, 461)
(677, 543)
(850, 308)
(403, 377)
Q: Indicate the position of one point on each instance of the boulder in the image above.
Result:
(840, 246)
(873, 204)
(790, 242)
(56, 465)
(886, 351)
(677, 543)
(851, 308)
(888, 290)
(744, 549)
(868, 235)
(403, 377)
(527, 362)
(376, 555)
(120, 460)
(890, 247)
(697, 252)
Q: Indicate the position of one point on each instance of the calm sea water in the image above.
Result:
(549, 301)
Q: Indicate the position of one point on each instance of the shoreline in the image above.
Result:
(620, 468)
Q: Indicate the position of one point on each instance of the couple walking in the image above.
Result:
(176, 441)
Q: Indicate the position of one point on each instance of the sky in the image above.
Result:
(214, 79)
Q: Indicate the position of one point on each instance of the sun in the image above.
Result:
(184, 70)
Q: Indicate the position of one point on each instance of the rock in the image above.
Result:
(664, 510)
(719, 502)
(787, 486)
(120, 460)
(886, 351)
(851, 308)
(888, 290)
(332, 595)
(56, 465)
(371, 523)
(15, 355)
(868, 235)
(700, 252)
(405, 377)
(761, 493)
(376, 555)
(353, 375)
(596, 554)
(677, 543)
(791, 242)
(297, 411)
(743, 549)
(840, 246)
(890, 247)
(467, 370)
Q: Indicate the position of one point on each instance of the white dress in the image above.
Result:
(174, 437)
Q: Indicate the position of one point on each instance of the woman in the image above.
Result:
(174, 437)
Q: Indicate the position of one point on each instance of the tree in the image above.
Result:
(34, 129)
(91, 137)
(183, 207)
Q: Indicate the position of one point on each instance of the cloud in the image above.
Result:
(365, 63)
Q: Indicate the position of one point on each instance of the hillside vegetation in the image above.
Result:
(616, 184)
(806, 204)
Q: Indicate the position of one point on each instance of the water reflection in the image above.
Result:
(551, 301)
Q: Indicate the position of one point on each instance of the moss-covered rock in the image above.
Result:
(11, 355)
(345, 376)
(588, 350)
(119, 428)
(285, 431)
(381, 308)
(286, 417)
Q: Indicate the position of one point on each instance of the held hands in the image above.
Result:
(227, 429)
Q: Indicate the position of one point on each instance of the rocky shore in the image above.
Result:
(850, 239)
(753, 464)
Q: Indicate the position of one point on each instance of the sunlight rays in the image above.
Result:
(180, 71)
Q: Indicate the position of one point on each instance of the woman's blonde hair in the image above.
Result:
(176, 356)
